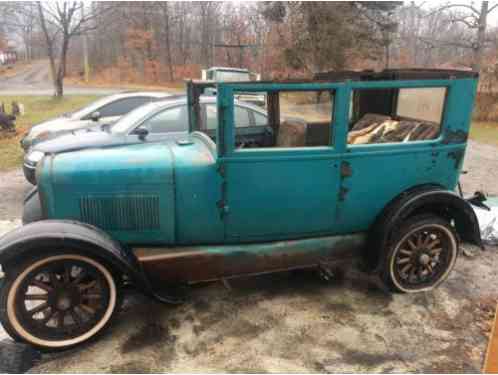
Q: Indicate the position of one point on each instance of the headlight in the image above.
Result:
(35, 156)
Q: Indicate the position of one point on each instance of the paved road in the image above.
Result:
(35, 80)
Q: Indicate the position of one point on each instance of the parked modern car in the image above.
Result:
(156, 215)
(152, 122)
(103, 111)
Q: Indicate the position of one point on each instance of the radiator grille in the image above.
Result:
(135, 213)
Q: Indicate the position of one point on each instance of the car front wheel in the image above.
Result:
(421, 255)
(59, 300)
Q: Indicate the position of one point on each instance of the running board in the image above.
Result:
(213, 262)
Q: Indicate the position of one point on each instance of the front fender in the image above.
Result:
(426, 199)
(32, 210)
(49, 235)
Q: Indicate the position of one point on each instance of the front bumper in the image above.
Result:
(30, 173)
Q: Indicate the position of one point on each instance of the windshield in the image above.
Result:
(129, 120)
(231, 76)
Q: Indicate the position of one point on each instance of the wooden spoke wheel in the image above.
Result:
(422, 255)
(58, 301)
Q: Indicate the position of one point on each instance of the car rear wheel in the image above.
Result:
(58, 300)
(421, 255)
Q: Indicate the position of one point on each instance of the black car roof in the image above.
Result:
(394, 74)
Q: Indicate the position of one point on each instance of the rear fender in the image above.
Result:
(49, 235)
(420, 200)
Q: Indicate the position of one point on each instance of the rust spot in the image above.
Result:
(346, 170)
(455, 136)
(196, 264)
(457, 156)
(343, 191)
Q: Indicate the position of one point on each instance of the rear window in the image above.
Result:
(421, 103)
(395, 115)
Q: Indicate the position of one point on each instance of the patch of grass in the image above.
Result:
(38, 109)
(485, 132)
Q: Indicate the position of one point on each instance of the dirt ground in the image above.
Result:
(294, 322)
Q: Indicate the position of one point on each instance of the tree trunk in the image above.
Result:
(50, 48)
(61, 73)
(205, 34)
(167, 40)
(481, 37)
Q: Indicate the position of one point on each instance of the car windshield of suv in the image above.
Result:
(231, 76)
(130, 119)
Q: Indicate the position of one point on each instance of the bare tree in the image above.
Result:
(474, 19)
(167, 19)
(60, 23)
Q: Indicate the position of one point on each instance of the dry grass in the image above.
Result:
(38, 109)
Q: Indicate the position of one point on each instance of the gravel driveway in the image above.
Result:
(293, 322)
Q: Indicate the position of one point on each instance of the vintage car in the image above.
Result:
(361, 166)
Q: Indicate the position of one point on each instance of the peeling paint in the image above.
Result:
(455, 136)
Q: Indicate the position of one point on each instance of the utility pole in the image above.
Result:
(86, 65)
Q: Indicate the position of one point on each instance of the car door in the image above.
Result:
(402, 150)
(280, 192)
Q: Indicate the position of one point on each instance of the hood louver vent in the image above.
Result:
(126, 213)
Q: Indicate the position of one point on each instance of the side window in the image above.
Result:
(295, 119)
(396, 115)
(211, 116)
(170, 120)
(122, 106)
(260, 120)
(242, 117)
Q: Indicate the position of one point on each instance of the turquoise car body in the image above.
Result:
(193, 192)
(195, 210)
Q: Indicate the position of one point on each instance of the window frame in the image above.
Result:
(225, 96)
(340, 115)
(395, 145)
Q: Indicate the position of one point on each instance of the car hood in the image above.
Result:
(78, 140)
(55, 124)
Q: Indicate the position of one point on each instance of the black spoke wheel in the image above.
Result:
(422, 254)
(59, 301)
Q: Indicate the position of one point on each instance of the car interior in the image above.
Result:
(376, 116)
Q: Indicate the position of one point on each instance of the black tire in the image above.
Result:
(77, 295)
(16, 358)
(421, 254)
